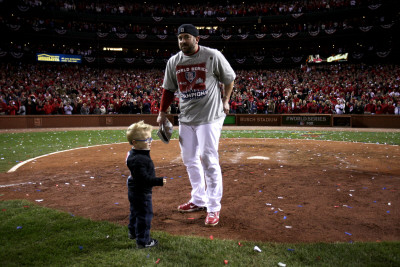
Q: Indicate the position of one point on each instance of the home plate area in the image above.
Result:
(275, 190)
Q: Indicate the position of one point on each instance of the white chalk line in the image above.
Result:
(13, 169)
(10, 185)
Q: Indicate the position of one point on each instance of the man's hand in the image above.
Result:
(161, 118)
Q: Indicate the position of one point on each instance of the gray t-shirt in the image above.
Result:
(196, 78)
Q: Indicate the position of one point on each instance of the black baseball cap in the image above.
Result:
(188, 28)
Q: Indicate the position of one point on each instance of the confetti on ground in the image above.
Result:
(240, 244)
(157, 261)
(19, 227)
(257, 249)
(39, 200)
(211, 237)
(226, 262)
(288, 227)
(347, 233)
(80, 247)
(281, 264)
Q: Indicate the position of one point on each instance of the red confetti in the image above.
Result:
(190, 218)
(226, 261)
(3, 210)
(211, 237)
(157, 261)
(240, 244)
(26, 206)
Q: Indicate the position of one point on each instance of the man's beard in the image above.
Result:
(188, 49)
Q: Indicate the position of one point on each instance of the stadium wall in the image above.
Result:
(315, 120)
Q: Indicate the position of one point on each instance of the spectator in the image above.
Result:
(85, 109)
(397, 109)
(12, 108)
(47, 108)
(97, 110)
(340, 107)
(103, 110)
(370, 108)
(68, 109)
(22, 109)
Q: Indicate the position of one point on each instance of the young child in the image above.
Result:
(140, 184)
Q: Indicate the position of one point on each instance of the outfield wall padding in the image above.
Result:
(297, 120)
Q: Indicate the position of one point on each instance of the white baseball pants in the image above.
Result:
(199, 148)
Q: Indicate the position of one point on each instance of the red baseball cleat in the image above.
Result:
(212, 218)
(189, 207)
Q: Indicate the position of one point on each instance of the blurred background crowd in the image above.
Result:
(124, 47)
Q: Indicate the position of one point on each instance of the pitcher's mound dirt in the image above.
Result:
(274, 190)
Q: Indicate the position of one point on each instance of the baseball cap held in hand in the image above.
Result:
(188, 28)
(165, 131)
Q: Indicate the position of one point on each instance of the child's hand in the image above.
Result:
(164, 180)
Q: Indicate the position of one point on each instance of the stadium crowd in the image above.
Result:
(211, 9)
(45, 89)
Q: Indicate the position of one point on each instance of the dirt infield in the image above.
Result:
(274, 190)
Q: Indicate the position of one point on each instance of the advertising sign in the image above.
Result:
(58, 58)
(305, 120)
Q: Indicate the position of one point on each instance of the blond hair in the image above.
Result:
(138, 131)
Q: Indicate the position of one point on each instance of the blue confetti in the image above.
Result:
(388, 211)
(384, 188)
(116, 203)
(347, 233)
(276, 211)
(290, 249)
(19, 227)
(260, 191)
(300, 206)
(284, 217)
(38, 190)
(171, 178)
(374, 201)
(80, 247)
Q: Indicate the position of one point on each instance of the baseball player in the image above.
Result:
(140, 184)
(196, 73)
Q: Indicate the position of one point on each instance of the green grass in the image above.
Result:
(17, 147)
(35, 236)
(53, 238)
